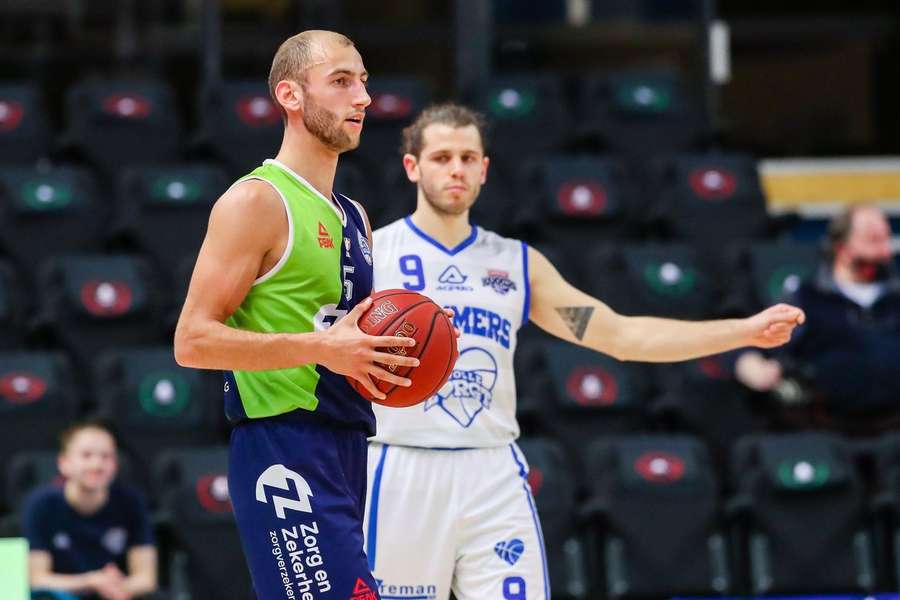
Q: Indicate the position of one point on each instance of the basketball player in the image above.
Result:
(283, 261)
(446, 477)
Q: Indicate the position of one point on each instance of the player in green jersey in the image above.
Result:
(279, 285)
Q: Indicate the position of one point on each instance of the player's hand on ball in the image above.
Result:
(449, 312)
(774, 326)
(350, 352)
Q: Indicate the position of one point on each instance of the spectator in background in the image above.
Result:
(847, 356)
(91, 537)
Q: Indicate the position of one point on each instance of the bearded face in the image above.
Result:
(326, 126)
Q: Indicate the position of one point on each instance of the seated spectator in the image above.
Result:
(844, 364)
(91, 537)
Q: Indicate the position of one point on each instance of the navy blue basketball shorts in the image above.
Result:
(298, 491)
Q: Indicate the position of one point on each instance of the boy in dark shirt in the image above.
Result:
(91, 536)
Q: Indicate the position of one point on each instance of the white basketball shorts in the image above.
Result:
(464, 520)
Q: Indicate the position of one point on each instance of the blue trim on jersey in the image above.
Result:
(526, 310)
(451, 251)
(373, 509)
(537, 524)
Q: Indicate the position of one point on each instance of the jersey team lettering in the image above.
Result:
(482, 322)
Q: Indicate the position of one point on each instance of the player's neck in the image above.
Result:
(448, 230)
(85, 501)
(305, 155)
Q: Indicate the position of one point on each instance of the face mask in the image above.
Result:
(870, 271)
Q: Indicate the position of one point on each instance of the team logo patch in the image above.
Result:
(325, 240)
(364, 247)
(470, 387)
(592, 386)
(22, 388)
(115, 540)
(362, 591)
(499, 281)
(106, 298)
(256, 111)
(713, 184)
(510, 551)
(212, 493)
(452, 279)
(62, 541)
(11, 114)
(659, 467)
(280, 478)
(127, 106)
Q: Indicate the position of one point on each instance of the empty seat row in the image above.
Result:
(644, 112)
(576, 201)
(802, 518)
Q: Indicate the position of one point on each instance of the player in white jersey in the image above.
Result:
(448, 506)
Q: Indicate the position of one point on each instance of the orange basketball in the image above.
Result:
(408, 314)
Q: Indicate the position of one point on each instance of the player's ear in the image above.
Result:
(484, 169)
(288, 95)
(411, 166)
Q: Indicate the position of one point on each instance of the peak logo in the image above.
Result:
(282, 478)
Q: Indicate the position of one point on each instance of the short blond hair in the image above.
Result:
(297, 54)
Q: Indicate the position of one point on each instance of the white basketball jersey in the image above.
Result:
(485, 281)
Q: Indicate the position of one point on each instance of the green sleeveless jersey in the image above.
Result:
(324, 271)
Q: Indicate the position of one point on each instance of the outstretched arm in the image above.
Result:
(568, 313)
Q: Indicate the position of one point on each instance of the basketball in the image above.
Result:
(408, 314)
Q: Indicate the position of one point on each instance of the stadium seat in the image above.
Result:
(552, 483)
(702, 397)
(207, 561)
(24, 126)
(655, 518)
(92, 303)
(527, 114)
(12, 309)
(38, 399)
(803, 515)
(711, 199)
(118, 122)
(46, 212)
(592, 394)
(395, 103)
(240, 125)
(579, 201)
(659, 279)
(778, 269)
(165, 209)
(639, 113)
(155, 404)
(887, 504)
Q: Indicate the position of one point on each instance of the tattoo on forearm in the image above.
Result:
(576, 318)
